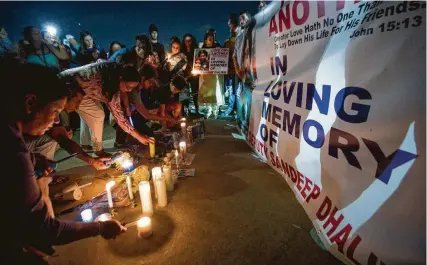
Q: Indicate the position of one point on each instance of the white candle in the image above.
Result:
(129, 184)
(109, 185)
(156, 172)
(183, 146)
(162, 196)
(183, 129)
(152, 146)
(144, 226)
(168, 178)
(145, 195)
(86, 215)
(177, 158)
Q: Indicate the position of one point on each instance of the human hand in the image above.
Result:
(43, 166)
(110, 229)
(70, 133)
(101, 163)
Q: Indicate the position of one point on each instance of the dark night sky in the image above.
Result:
(121, 21)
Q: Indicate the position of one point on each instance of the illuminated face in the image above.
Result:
(140, 48)
(42, 119)
(176, 48)
(73, 103)
(243, 18)
(209, 41)
(128, 86)
(88, 42)
(36, 36)
(115, 47)
(149, 83)
(154, 35)
(187, 41)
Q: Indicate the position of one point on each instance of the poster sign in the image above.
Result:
(211, 61)
(337, 106)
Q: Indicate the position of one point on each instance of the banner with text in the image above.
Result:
(210, 61)
(337, 106)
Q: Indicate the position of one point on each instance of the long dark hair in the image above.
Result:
(146, 42)
(193, 44)
(83, 34)
(207, 34)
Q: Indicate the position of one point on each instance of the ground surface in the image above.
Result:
(236, 210)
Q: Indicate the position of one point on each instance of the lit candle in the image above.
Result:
(145, 195)
(162, 196)
(182, 149)
(168, 178)
(129, 184)
(127, 164)
(144, 226)
(109, 185)
(152, 145)
(183, 129)
(86, 215)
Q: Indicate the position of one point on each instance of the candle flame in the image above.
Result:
(144, 221)
(182, 144)
(110, 184)
(127, 164)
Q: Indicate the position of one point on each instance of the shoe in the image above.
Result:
(87, 147)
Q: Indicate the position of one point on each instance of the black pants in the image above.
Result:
(139, 123)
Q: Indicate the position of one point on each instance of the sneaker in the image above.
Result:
(87, 148)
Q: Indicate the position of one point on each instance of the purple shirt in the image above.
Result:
(25, 220)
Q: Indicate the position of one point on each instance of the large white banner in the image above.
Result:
(338, 108)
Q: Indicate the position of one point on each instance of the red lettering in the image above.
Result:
(356, 1)
(341, 237)
(326, 203)
(285, 168)
(293, 174)
(278, 163)
(284, 19)
(332, 221)
(306, 187)
(314, 193)
(300, 180)
(273, 25)
(352, 247)
(265, 150)
(320, 8)
(305, 12)
(272, 158)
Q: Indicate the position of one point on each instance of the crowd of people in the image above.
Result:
(46, 78)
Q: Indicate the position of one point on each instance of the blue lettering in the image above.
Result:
(362, 110)
(320, 136)
(322, 103)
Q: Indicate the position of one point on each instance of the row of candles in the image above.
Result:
(162, 180)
